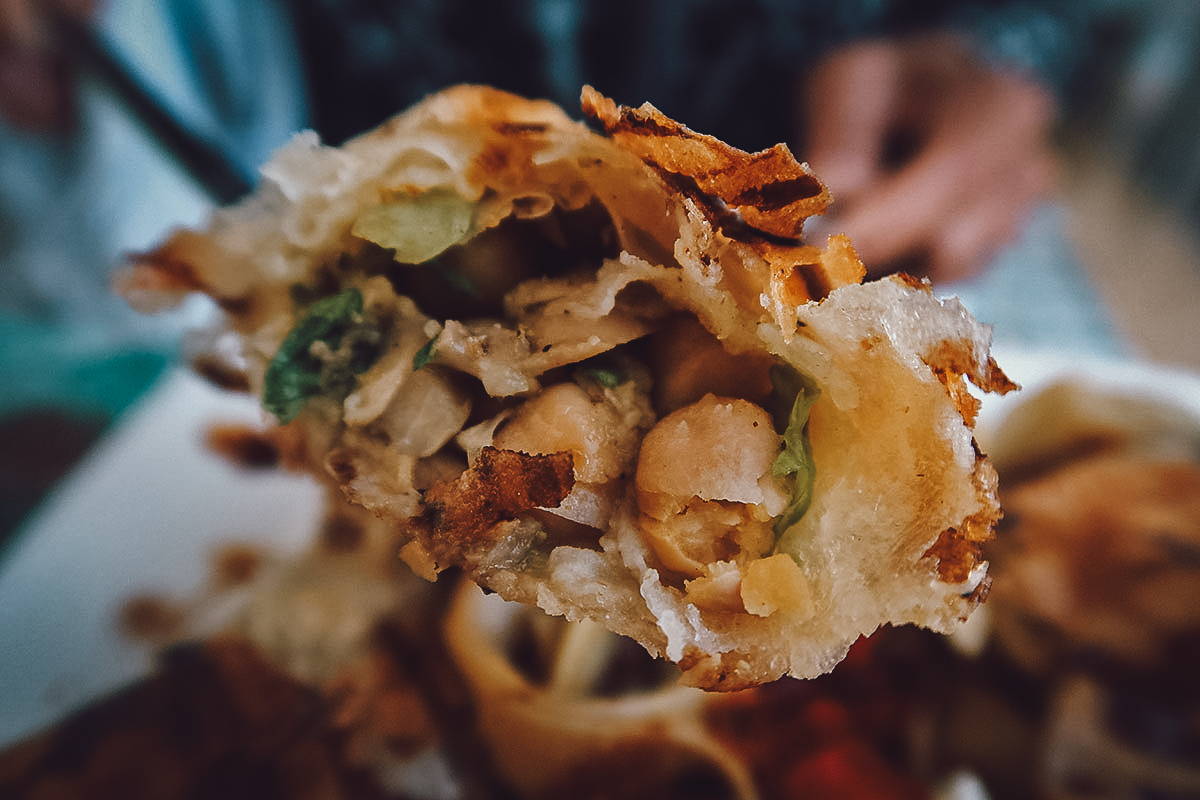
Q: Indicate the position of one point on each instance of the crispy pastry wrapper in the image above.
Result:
(570, 362)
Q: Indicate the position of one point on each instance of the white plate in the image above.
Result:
(1036, 371)
(142, 513)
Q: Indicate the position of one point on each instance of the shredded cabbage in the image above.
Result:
(417, 227)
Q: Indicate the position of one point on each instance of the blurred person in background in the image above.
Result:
(932, 123)
(914, 113)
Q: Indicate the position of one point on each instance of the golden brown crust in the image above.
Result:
(505, 433)
(243, 445)
(460, 516)
(956, 555)
(766, 195)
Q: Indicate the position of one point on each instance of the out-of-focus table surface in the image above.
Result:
(141, 512)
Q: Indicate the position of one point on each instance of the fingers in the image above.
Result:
(1008, 166)
(850, 98)
(946, 214)
(897, 220)
(977, 231)
(980, 156)
(962, 247)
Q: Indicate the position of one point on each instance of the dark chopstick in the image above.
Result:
(212, 168)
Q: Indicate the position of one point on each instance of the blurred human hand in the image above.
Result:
(36, 83)
(933, 157)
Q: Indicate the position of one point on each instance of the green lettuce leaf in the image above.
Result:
(425, 354)
(296, 374)
(795, 460)
(418, 227)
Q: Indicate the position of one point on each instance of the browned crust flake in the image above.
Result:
(502, 484)
(769, 191)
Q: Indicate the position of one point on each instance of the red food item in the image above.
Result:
(850, 770)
